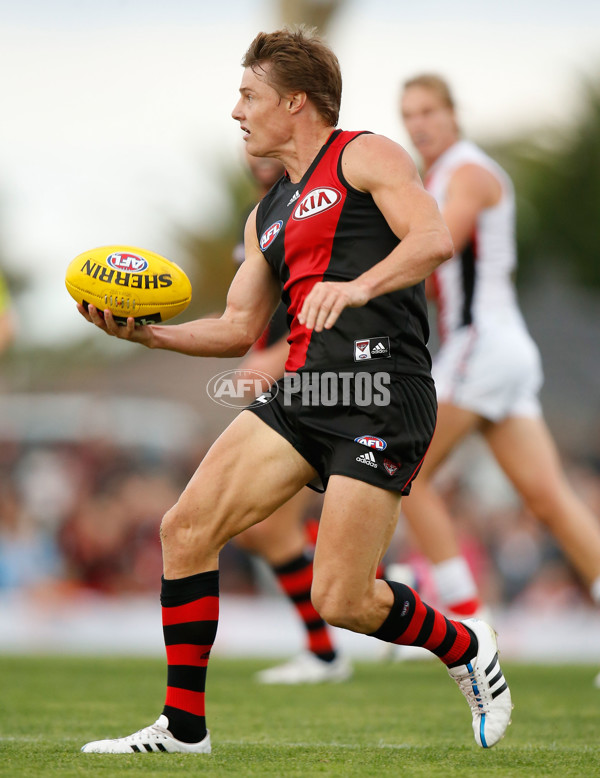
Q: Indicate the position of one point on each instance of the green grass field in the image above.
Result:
(390, 720)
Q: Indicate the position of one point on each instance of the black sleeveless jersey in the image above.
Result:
(322, 229)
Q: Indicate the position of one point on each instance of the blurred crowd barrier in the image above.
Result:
(85, 481)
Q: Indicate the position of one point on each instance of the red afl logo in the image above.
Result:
(371, 441)
(269, 235)
(126, 262)
(317, 201)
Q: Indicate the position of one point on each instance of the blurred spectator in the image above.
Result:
(28, 552)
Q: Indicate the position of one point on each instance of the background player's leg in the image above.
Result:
(281, 541)
(429, 519)
(525, 450)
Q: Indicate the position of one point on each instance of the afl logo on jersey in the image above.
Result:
(269, 235)
(317, 201)
(371, 441)
(126, 262)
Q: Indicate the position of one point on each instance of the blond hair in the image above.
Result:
(434, 82)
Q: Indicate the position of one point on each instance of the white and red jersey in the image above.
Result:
(476, 285)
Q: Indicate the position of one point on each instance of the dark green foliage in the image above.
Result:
(557, 178)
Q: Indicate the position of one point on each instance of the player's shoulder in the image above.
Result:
(475, 172)
(370, 156)
(366, 142)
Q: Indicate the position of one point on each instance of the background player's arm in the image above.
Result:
(375, 164)
(251, 300)
(471, 190)
(270, 360)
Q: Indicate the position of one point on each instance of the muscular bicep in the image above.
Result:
(254, 292)
(471, 190)
(384, 169)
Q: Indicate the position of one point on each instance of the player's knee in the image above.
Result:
(333, 605)
(181, 529)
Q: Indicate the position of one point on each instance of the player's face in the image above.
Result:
(430, 123)
(262, 114)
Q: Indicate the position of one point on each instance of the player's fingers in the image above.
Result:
(322, 314)
(83, 312)
(308, 314)
(96, 317)
(333, 315)
(111, 325)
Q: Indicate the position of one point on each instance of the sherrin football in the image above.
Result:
(129, 281)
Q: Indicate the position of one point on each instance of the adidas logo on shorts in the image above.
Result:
(379, 349)
(367, 459)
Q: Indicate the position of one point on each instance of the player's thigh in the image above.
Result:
(452, 426)
(248, 472)
(281, 535)
(526, 452)
(357, 524)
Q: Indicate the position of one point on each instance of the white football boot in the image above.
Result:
(307, 668)
(155, 738)
(483, 684)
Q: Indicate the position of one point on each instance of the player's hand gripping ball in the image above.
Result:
(129, 281)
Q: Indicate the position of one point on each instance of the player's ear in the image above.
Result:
(296, 101)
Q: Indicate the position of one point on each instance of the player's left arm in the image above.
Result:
(375, 164)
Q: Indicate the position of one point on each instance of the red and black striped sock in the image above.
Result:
(295, 578)
(411, 622)
(190, 614)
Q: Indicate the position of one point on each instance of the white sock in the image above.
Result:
(595, 591)
(454, 581)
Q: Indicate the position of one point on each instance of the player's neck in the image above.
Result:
(302, 150)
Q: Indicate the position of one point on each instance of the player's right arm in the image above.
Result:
(251, 301)
(471, 190)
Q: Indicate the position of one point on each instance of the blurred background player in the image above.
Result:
(281, 540)
(488, 370)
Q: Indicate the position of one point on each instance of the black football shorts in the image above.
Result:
(382, 442)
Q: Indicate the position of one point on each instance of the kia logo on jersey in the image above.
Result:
(372, 442)
(317, 201)
(269, 235)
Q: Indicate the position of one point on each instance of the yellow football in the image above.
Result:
(129, 281)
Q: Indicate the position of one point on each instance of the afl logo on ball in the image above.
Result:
(317, 201)
(127, 263)
(270, 234)
(371, 441)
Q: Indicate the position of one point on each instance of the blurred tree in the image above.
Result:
(211, 266)
(313, 13)
(557, 179)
